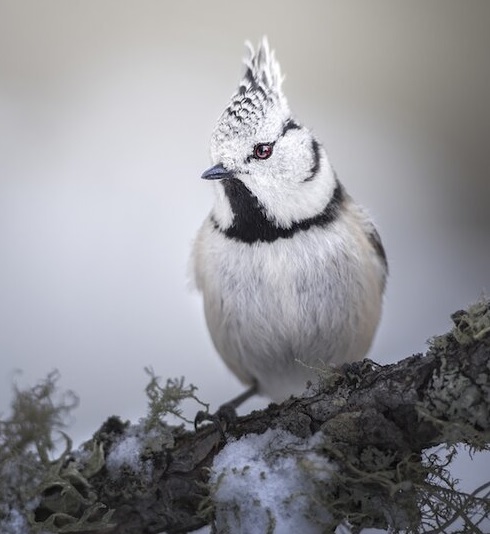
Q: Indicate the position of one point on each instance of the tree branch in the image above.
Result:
(398, 410)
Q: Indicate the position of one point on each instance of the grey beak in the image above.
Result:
(218, 172)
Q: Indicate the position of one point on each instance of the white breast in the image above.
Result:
(278, 312)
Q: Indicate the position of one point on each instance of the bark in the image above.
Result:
(419, 402)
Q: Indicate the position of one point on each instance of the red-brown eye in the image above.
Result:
(263, 151)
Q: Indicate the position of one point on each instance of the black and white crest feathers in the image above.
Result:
(258, 92)
(263, 72)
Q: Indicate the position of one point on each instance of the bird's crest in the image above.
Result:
(258, 91)
(262, 70)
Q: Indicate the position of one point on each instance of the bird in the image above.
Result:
(291, 270)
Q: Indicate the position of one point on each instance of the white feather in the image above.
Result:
(276, 309)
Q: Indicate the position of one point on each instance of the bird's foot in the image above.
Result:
(226, 415)
(222, 419)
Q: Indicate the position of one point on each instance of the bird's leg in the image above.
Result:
(226, 413)
(233, 404)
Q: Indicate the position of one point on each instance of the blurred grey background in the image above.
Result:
(106, 108)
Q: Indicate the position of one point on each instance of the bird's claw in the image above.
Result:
(222, 419)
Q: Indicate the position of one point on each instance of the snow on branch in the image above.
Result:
(355, 450)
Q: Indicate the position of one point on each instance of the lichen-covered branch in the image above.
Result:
(374, 422)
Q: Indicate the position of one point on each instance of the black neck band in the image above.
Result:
(250, 223)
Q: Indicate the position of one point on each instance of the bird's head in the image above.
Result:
(258, 143)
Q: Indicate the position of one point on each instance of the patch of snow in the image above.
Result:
(128, 451)
(125, 452)
(14, 523)
(266, 483)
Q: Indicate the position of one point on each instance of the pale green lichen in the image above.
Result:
(469, 326)
(30, 475)
(36, 414)
(444, 508)
(167, 400)
(371, 488)
(41, 492)
(68, 501)
(457, 399)
(405, 494)
(472, 324)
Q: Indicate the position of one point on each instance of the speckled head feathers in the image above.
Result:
(258, 92)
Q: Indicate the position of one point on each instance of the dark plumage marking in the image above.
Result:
(315, 148)
(290, 125)
(262, 91)
(250, 78)
(378, 247)
(250, 223)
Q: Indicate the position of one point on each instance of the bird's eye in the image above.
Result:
(263, 151)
